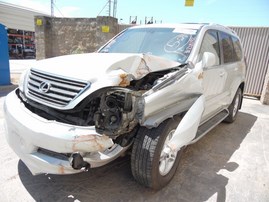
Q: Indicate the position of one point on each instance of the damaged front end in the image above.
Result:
(139, 90)
(118, 112)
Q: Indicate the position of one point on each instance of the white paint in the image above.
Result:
(94, 66)
(26, 132)
(187, 128)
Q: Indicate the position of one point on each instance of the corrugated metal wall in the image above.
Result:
(255, 42)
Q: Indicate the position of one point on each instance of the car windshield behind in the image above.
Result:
(171, 43)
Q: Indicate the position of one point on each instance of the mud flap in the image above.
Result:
(187, 128)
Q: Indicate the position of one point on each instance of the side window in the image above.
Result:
(210, 44)
(237, 49)
(227, 48)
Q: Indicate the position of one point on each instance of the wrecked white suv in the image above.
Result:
(150, 90)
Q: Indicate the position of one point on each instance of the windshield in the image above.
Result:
(174, 44)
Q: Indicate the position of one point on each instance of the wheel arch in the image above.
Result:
(237, 83)
(242, 87)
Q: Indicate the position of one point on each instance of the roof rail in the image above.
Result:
(224, 27)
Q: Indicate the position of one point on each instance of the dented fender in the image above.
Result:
(187, 128)
(172, 99)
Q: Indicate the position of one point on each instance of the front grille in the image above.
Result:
(59, 91)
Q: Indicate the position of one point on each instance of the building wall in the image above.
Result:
(62, 36)
(265, 90)
(255, 42)
(124, 26)
(17, 17)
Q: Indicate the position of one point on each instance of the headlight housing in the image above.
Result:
(23, 80)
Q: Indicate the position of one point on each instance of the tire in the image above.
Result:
(234, 107)
(146, 162)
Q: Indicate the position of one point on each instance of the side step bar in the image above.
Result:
(209, 125)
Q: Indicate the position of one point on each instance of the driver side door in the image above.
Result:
(214, 77)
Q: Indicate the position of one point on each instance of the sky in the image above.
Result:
(225, 12)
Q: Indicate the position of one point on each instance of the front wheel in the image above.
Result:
(152, 165)
(234, 107)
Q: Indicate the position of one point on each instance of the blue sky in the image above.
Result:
(226, 12)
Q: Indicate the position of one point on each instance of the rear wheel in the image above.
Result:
(153, 165)
(234, 107)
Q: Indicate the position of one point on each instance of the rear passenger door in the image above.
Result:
(231, 54)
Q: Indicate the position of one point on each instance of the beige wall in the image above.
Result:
(62, 36)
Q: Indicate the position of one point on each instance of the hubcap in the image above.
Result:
(168, 157)
(236, 105)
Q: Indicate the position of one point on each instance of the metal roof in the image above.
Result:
(18, 17)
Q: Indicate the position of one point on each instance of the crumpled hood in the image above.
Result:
(93, 66)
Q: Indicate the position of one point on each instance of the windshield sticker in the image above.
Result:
(177, 44)
(181, 45)
(190, 45)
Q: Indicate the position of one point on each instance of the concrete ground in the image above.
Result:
(231, 163)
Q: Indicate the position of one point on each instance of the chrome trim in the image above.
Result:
(45, 87)
(53, 90)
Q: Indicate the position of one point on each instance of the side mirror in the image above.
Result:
(208, 60)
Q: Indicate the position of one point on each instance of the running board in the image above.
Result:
(210, 124)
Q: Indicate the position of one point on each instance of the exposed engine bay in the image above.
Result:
(113, 111)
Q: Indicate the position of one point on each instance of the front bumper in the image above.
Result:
(29, 135)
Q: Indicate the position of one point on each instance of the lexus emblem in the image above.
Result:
(44, 87)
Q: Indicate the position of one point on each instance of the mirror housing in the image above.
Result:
(208, 60)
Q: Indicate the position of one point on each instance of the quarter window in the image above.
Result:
(237, 48)
(210, 44)
(227, 48)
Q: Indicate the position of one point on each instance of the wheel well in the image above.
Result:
(242, 87)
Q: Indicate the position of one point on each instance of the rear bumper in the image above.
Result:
(28, 134)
